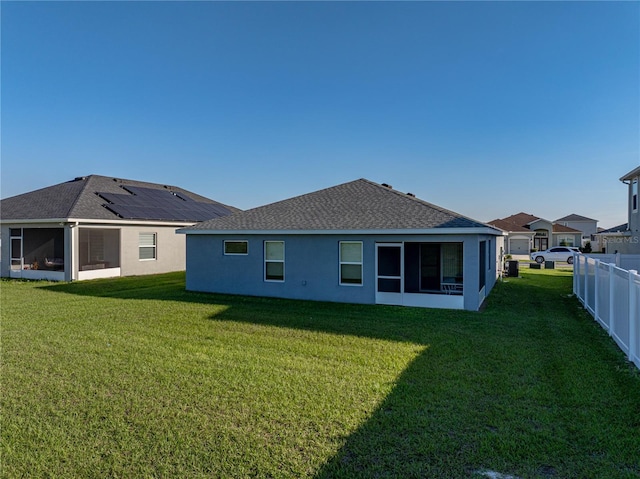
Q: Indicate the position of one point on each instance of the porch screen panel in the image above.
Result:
(16, 248)
(452, 262)
(389, 269)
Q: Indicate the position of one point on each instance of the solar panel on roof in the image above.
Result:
(158, 204)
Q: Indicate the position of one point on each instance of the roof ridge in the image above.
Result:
(80, 192)
(423, 202)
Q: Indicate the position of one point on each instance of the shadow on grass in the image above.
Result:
(439, 420)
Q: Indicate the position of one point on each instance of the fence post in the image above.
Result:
(611, 294)
(634, 312)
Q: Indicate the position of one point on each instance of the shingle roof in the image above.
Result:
(575, 217)
(509, 226)
(564, 229)
(519, 222)
(616, 229)
(80, 199)
(357, 205)
(521, 219)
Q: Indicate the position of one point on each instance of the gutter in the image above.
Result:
(428, 231)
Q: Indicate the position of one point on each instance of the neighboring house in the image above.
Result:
(609, 239)
(96, 226)
(627, 241)
(588, 226)
(526, 232)
(358, 242)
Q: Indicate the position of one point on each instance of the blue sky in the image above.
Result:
(485, 108)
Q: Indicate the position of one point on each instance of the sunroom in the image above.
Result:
(37, 253)
(98, 252)
(64, 253)
(420, 274)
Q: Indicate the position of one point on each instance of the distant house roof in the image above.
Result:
(521, 219)
(520, 223)
(616, 229)
(631, 175)
(575, 217)
(509, 226)
(359, 205)
(104, 198)
(564, 229)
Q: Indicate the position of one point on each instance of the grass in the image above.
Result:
(135, 377)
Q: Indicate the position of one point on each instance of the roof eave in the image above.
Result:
(122, 222)
(631, 175)
(424, 231)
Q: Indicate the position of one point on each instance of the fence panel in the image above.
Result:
(620, 322)
(602, 310)
(630, 261)
(612, 296)
(590, 279)
(579, 265)
(634, 292)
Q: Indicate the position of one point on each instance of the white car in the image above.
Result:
(557, 253)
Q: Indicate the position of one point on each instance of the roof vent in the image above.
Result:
(80, 178)
(411, 194)
(386, 185)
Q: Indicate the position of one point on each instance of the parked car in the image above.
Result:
(557, 253)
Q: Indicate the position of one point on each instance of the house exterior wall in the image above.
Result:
(633, 245)
(170, 251)
(5, 252)
(587, 228)
(312, 266)
(558, 239)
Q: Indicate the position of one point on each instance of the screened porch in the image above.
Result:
(98, 253)
(37, 253)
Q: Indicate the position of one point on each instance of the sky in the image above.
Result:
(484, 108)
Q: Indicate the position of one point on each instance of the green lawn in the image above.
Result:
(135, 377)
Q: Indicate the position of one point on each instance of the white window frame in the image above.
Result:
(224, 249)
(154, 246)
(359, 263)
(264, 275)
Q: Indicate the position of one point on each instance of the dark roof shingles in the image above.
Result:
(357, 205)
(79, 199)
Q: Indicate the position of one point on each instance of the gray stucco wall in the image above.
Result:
(312, 266)
(170, 251)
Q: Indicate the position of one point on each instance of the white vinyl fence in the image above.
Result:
(612, 296)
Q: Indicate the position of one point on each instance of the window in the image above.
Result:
(236, 247)
(147, 246)
(351, 262)
(274, 260)
(634, 195)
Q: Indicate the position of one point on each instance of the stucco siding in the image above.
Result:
(312, 266)
(170, 251)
